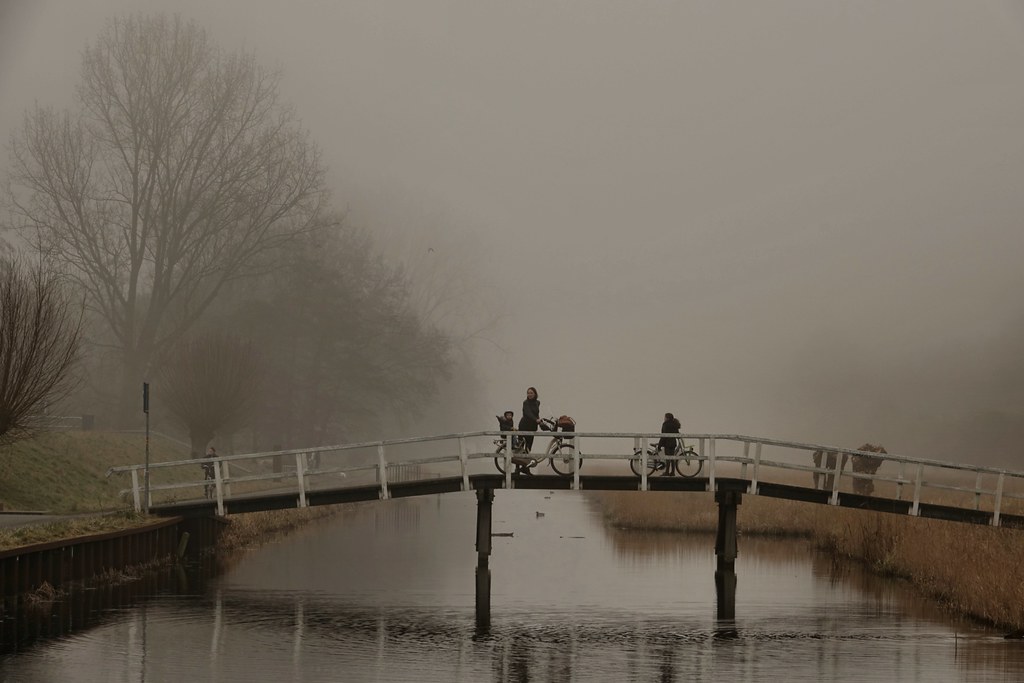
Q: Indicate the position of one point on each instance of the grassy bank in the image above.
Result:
(65, 473)
(972, 570)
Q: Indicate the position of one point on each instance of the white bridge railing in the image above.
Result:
(758, 460)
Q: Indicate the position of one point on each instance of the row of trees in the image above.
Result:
(184, 202)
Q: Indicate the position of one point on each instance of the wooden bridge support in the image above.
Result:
(725, 551)
(484, 505)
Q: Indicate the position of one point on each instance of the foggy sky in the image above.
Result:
(791, 219)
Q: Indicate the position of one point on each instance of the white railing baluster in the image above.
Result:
(711, 466)
(226, 473)
(746, 456)
(462, 461)
(997, 504)
(837, 470)
(576, 465)
(918, 478)
(383, 469)
(219, 487)
(508, 461)
(977, 491)
(641, 452)
(300, 478)
(135, 490)
(757, 468)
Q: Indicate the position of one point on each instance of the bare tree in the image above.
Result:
(346, 354)
(210, 384)
(177, 172)
(39, 344)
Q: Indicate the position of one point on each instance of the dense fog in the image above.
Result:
(789, 219)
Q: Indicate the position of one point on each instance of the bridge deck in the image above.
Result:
(351, 494)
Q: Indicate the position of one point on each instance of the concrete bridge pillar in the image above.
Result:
(484, 504)
(484, 501)
(726, 551)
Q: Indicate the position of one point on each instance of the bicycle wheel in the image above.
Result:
(636, 464)
(689, 464)
(499, 461)
(563, 460)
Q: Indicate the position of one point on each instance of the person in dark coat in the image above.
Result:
(531, 416)
(668, 444)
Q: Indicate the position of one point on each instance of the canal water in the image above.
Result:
(386, 592)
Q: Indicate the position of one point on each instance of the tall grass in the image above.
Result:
(973, 570)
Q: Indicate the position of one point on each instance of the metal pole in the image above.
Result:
(145, 409)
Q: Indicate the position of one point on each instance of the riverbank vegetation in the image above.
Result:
(64, 473)
(255, 528)
(73, 527)
(971, 570)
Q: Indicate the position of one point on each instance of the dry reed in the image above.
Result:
(973, 570)
(254, 528)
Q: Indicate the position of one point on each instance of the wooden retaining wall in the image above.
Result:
(25, 569)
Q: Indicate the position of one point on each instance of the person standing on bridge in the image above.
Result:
(531, 416)
(208, 473)
(667, 444)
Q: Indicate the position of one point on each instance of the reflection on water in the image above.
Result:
(389, 596)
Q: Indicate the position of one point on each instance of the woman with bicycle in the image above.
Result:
(668, 454)
(531, 416)
(667, 444)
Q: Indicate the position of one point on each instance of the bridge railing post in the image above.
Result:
(463, 461)
(508, 461)
(746, 457)
(918, 477)
(997, 503)
(711, 465)
(576, 464)
(638, 447)
(300, 477)
(382, 468)
(226, 474)
(757, 469)
(902, 476)
(977, 491)
(837, 470)
(219, 488)
(136, 496)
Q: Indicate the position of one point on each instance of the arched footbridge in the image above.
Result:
(380, 470)
(729, 466)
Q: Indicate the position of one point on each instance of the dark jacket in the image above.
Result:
(667, 443)
(531, 415)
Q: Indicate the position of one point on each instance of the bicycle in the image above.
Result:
(560, 452)
(686, 462)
